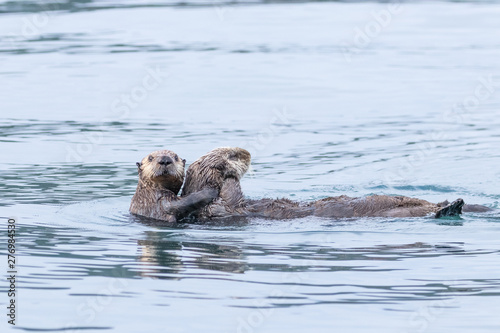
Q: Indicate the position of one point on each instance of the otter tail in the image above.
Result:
(453, 209)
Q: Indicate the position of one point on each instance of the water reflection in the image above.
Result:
(163, 256)
(161, 253)
(178, 262)
(168, 259)
(78, 249)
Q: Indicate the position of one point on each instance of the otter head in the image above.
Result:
(230, 162)
(219, 164)
(162, 168)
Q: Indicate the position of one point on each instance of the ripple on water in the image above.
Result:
(385, 123)
(376, 164)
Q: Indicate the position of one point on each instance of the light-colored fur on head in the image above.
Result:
(162, 168)
(214, 167)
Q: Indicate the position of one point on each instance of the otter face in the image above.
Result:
(164, 168)
(231, 162)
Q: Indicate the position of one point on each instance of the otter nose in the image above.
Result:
(165, 160)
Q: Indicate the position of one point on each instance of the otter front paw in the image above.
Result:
(190, 205)
(208, 194)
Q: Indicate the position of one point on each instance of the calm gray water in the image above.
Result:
(330, 98)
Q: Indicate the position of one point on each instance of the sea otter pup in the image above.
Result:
(222, 169)
(161, 175)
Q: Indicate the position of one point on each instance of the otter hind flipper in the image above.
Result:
(453, 209)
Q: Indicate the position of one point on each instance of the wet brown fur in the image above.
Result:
(211, 171)
(161, 175)
(374, 206)
(220, 169)
(343, 207)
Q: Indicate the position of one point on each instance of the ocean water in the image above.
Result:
(330, 98)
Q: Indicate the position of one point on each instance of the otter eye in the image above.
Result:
(233, 157)
(176, 158)
(150, 158)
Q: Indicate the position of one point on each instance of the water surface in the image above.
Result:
(90, 87)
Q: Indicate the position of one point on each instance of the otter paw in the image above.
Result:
(209, 193)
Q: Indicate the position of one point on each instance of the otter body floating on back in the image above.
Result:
(347, 207)
(161, 175)
(222, 169)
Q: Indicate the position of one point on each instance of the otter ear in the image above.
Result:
(184, 162)
(138, 166)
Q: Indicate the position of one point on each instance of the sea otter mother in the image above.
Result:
(222, 168)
